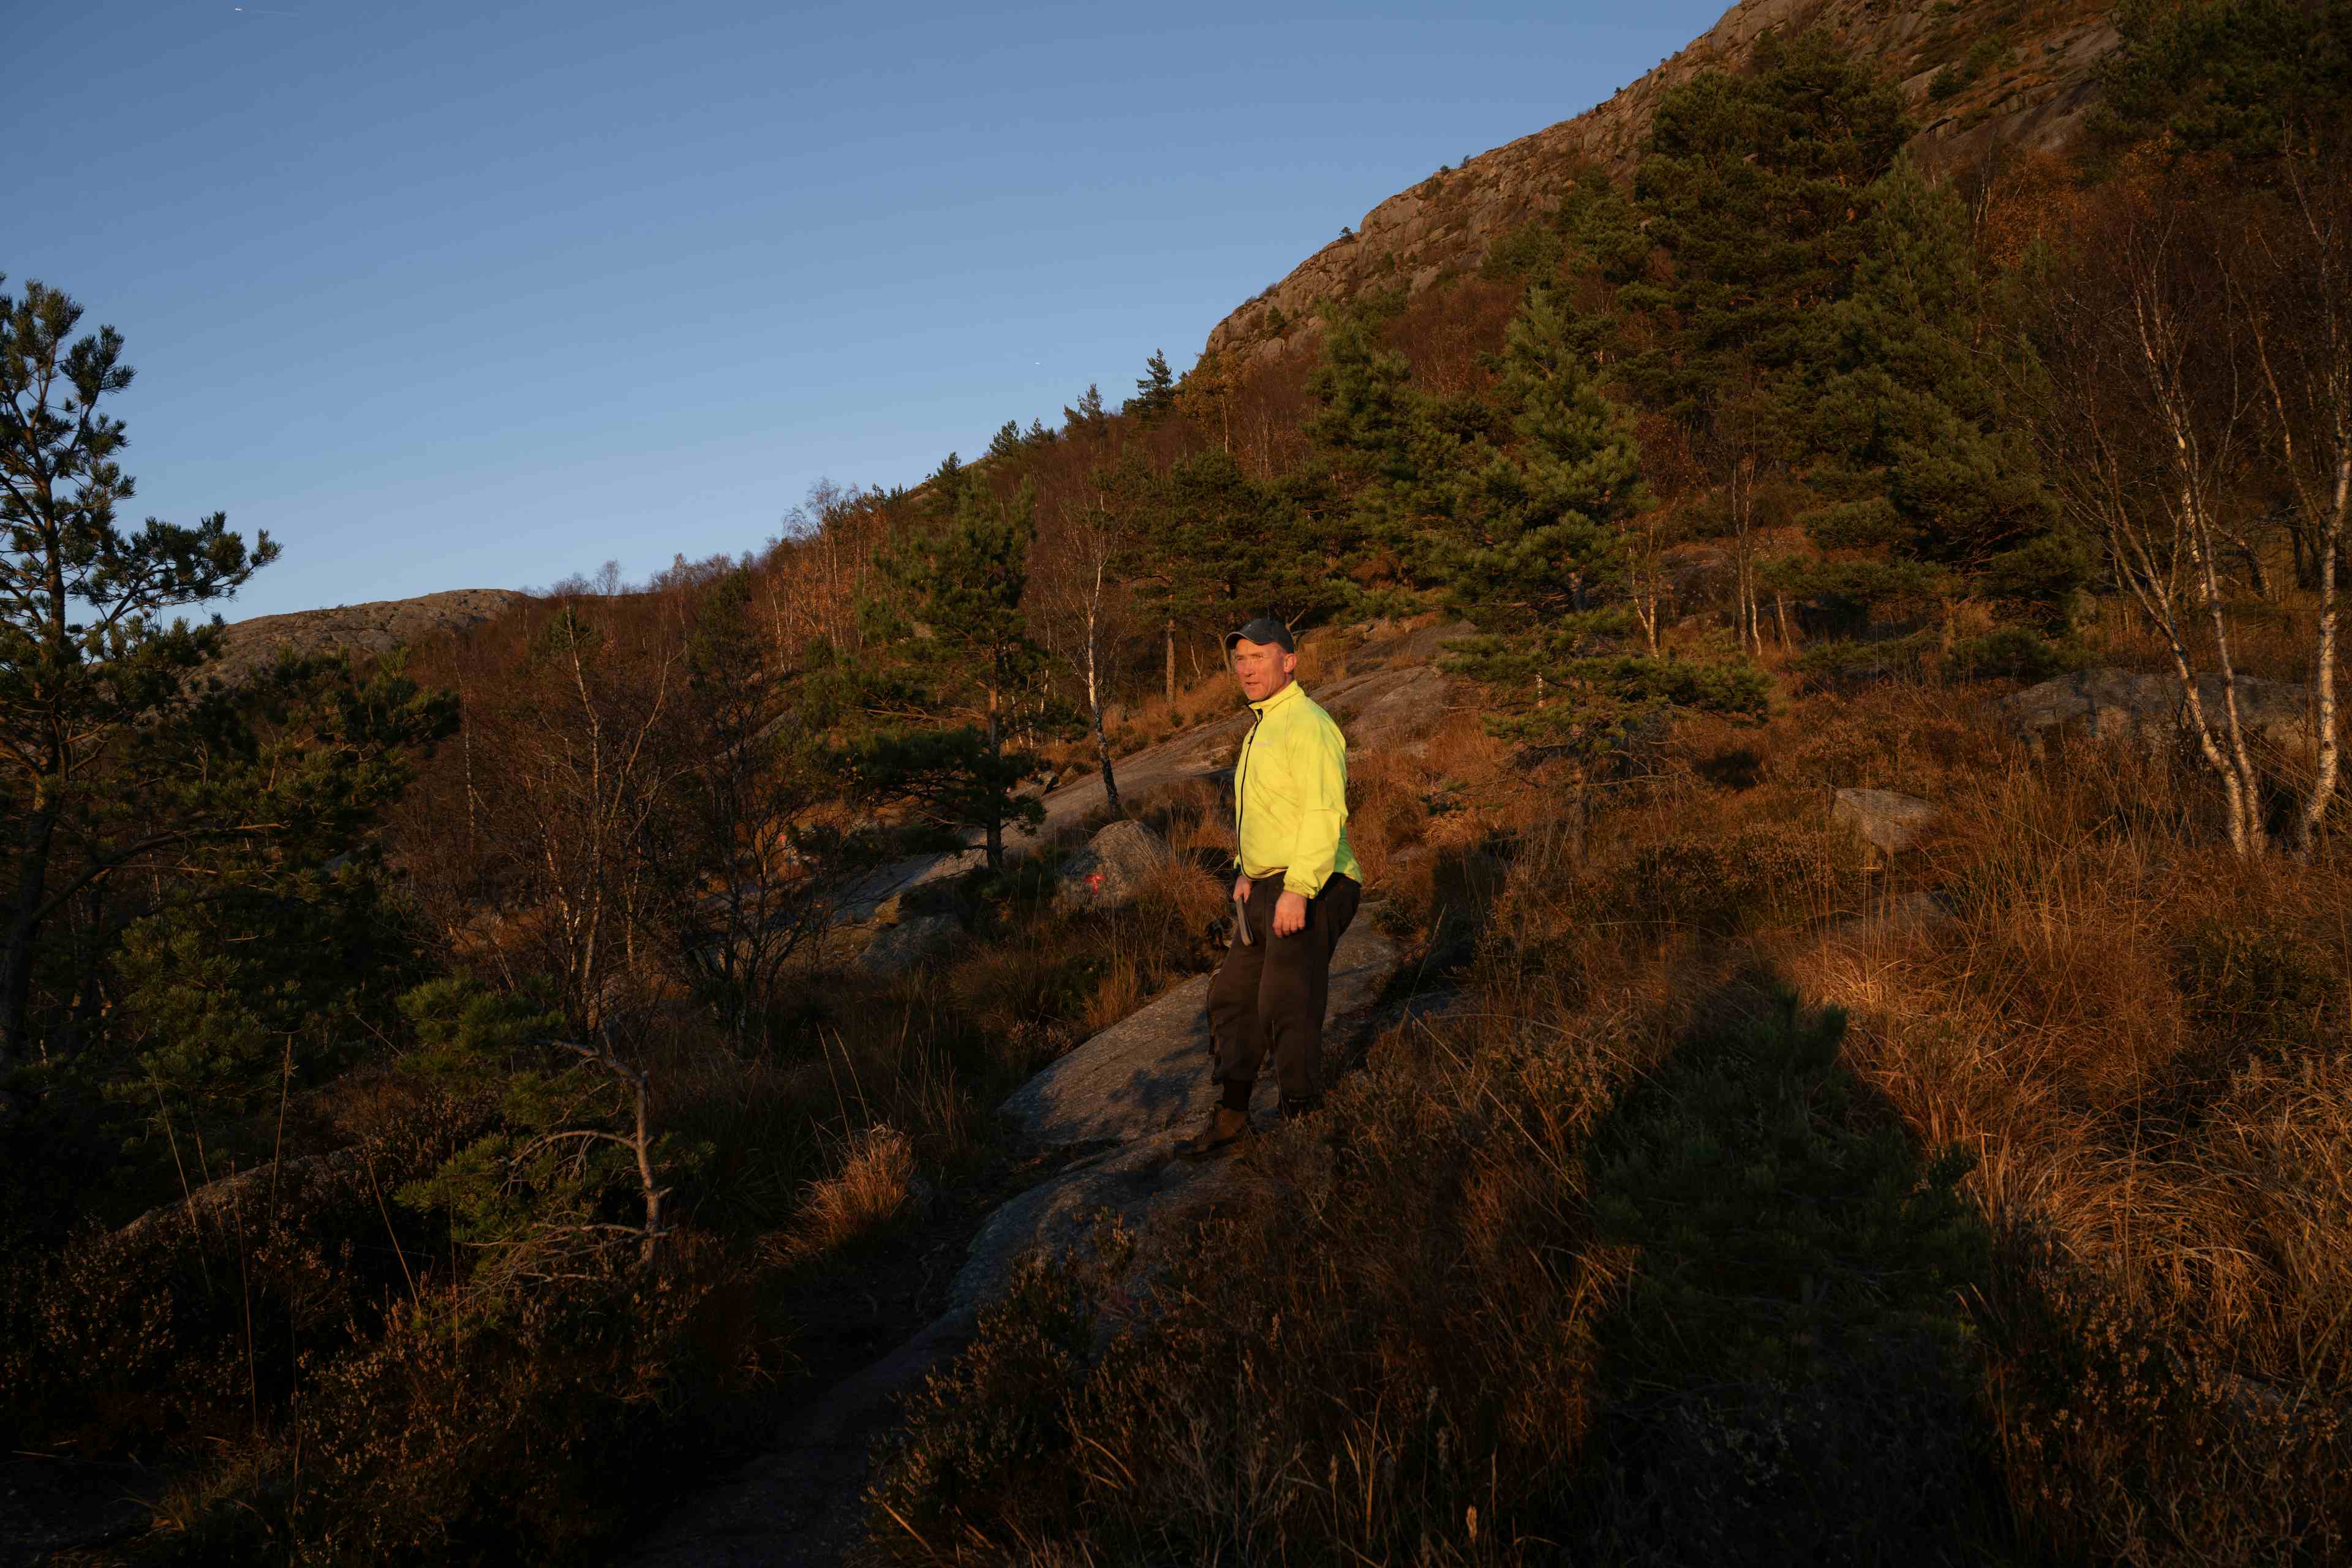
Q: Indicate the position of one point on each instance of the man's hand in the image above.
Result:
(1291, 913)
(1242, 889)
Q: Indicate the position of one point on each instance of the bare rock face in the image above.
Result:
(375, 628)
(1388, 708)
(1893, 822)
(1109, 871)
(2036, 97)
(916, 939)
(1150, 1073)
(1144, 1185)
(875, 897)
(1139, 1085)
(2148, 707)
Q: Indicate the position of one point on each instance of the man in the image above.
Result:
(1297, 887)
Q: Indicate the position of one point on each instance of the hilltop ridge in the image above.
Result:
(376, 628)
(2022, 73)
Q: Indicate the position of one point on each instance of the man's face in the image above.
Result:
(1262, 668)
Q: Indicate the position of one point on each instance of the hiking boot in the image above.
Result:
(1223, 1128)
(1294, 1107)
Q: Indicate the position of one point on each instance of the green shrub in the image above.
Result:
(1532, 251)
(142, 1340)
(534, 1430)
(2261, 987)
(2012, 653)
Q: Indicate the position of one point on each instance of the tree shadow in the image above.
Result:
(1789, 1372)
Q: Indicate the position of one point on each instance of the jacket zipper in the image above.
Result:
(1241, 773)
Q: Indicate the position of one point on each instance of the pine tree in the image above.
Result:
(1155, 392)
(1396, 448)
(1547, 518)
(2247, 81)
(1909, 443)
(258, 959)
(944, 490)
(1006, 442)
(745, 858)
(1543, 571)
(1205, 548)
(1157, 554)
(963, 584)
(1822, 336)
(1171, 527)
(1755, 184)
(1088, 418)
(83, 662)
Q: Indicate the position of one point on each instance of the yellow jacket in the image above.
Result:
(1291, 789)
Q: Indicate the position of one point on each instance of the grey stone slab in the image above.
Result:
(1151, 1072)
(1146, 1184)
(916, 939)
(865, 898)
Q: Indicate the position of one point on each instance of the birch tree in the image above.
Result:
(2293, 292)
(2149, 426)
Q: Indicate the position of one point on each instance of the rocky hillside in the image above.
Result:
(1978, 74)
(376, 628)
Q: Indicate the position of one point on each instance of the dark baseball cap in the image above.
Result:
(1265, 629)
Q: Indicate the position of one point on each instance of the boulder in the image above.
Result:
(2148, 707)
(1891, 821)
(1111, 870)
(914, 941)
(1150, 1073)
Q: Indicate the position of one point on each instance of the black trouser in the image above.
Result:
(1270, 994)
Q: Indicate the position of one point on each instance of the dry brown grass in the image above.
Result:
(2144, 1040)
(1192, 817)
(2141, 1042)
(872, 1187)
(1309, 1388)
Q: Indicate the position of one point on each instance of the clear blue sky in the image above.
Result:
(461, 293)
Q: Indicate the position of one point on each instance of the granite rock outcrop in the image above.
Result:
(2037, 94)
